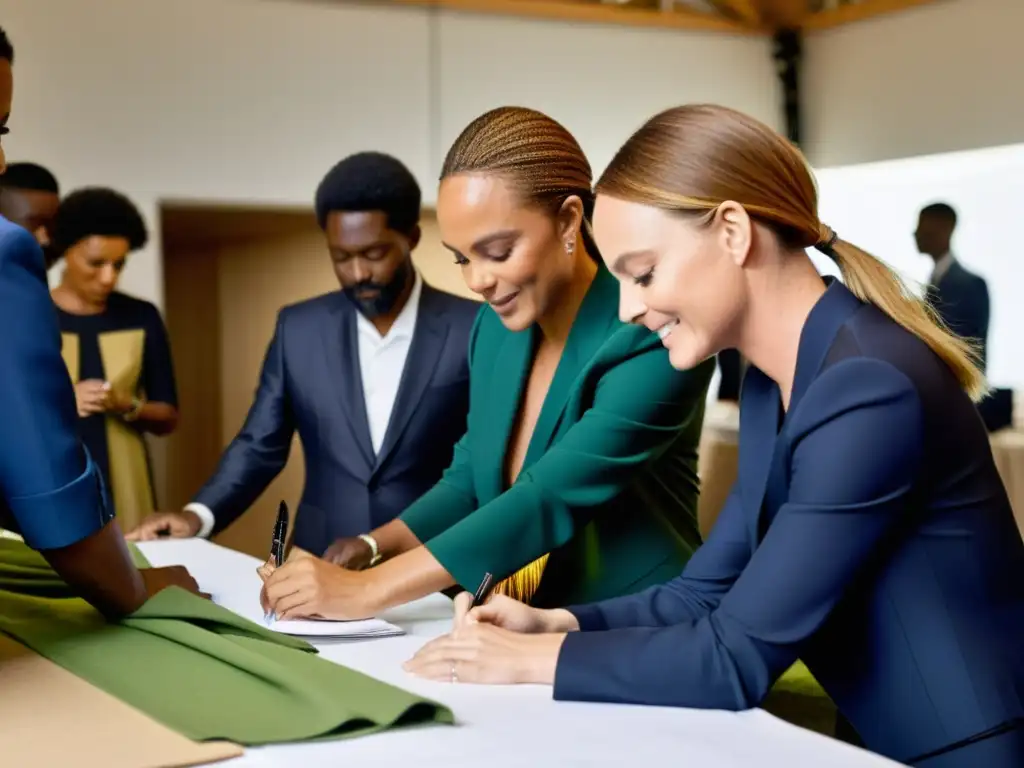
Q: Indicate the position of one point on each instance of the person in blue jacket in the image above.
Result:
(868, 533)
(50, 491)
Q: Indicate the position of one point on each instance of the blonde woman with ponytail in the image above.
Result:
(868, 532)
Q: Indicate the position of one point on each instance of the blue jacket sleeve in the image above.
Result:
(50, 487)
(855, 459)
(260, 450)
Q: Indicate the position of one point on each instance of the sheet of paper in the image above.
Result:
(250, 609)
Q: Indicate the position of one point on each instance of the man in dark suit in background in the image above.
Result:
(29, 195)
(374, 378)
(959, 296)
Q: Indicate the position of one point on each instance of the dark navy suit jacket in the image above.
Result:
(311, 384)
(868, 534)
(50, 491)
(961, 299)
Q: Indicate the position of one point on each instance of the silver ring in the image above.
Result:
(455, 677)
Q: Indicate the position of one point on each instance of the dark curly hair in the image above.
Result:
(97, 211)
(6, 49)
(371, 181)
(31, 176)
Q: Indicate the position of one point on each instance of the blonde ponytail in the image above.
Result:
(873, 282)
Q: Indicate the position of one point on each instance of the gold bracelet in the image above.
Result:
(372, 544)
(136, 409)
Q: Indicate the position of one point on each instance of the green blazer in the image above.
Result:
(609, 485)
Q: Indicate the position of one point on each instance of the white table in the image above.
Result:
(513, 726)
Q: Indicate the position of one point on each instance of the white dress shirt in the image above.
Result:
(381, 362)
(942, 265)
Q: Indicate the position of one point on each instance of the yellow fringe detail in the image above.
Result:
(523, 584)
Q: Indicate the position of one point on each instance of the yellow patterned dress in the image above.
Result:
(127, 346)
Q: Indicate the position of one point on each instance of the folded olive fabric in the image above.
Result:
(198, 668)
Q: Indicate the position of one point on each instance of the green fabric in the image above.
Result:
(798, 698)
(609, 484)
(198, 668)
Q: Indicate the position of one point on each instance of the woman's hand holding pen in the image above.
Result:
(512, 615)
(309, 586)
(501, 641)
(486, 653)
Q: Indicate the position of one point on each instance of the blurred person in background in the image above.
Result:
(29, 196)
(51, 492)
(373, 377)
(961, 299)
(957, 294)
(115, 346)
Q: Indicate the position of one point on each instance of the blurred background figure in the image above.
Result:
(959, 295)
(115, 346)
(29, 195)
(961, 298)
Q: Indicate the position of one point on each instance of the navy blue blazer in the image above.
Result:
(311, 384)
(868, 534)
(961, 299)
(50, 491)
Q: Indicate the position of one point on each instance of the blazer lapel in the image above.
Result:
(761, 405)
(424, 351)
(341, 349)
(831, 312)
(589, 331)
(759, 427)
(504, 391)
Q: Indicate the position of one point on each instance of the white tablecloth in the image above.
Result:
(514, 726)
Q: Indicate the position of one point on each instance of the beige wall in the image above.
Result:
(938, 78)
(251, 101)
(227, 275)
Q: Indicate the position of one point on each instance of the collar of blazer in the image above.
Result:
(509, 357)
(341, 349)
(760, 406)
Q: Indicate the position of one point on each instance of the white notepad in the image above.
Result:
(248, 607)
(337, 629)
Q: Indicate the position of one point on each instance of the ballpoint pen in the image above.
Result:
(483, 591)
(277, 545)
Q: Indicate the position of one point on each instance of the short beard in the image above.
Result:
(387, 294)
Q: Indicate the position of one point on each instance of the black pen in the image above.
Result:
(277, 545)
(483, 591)
(280, 535)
